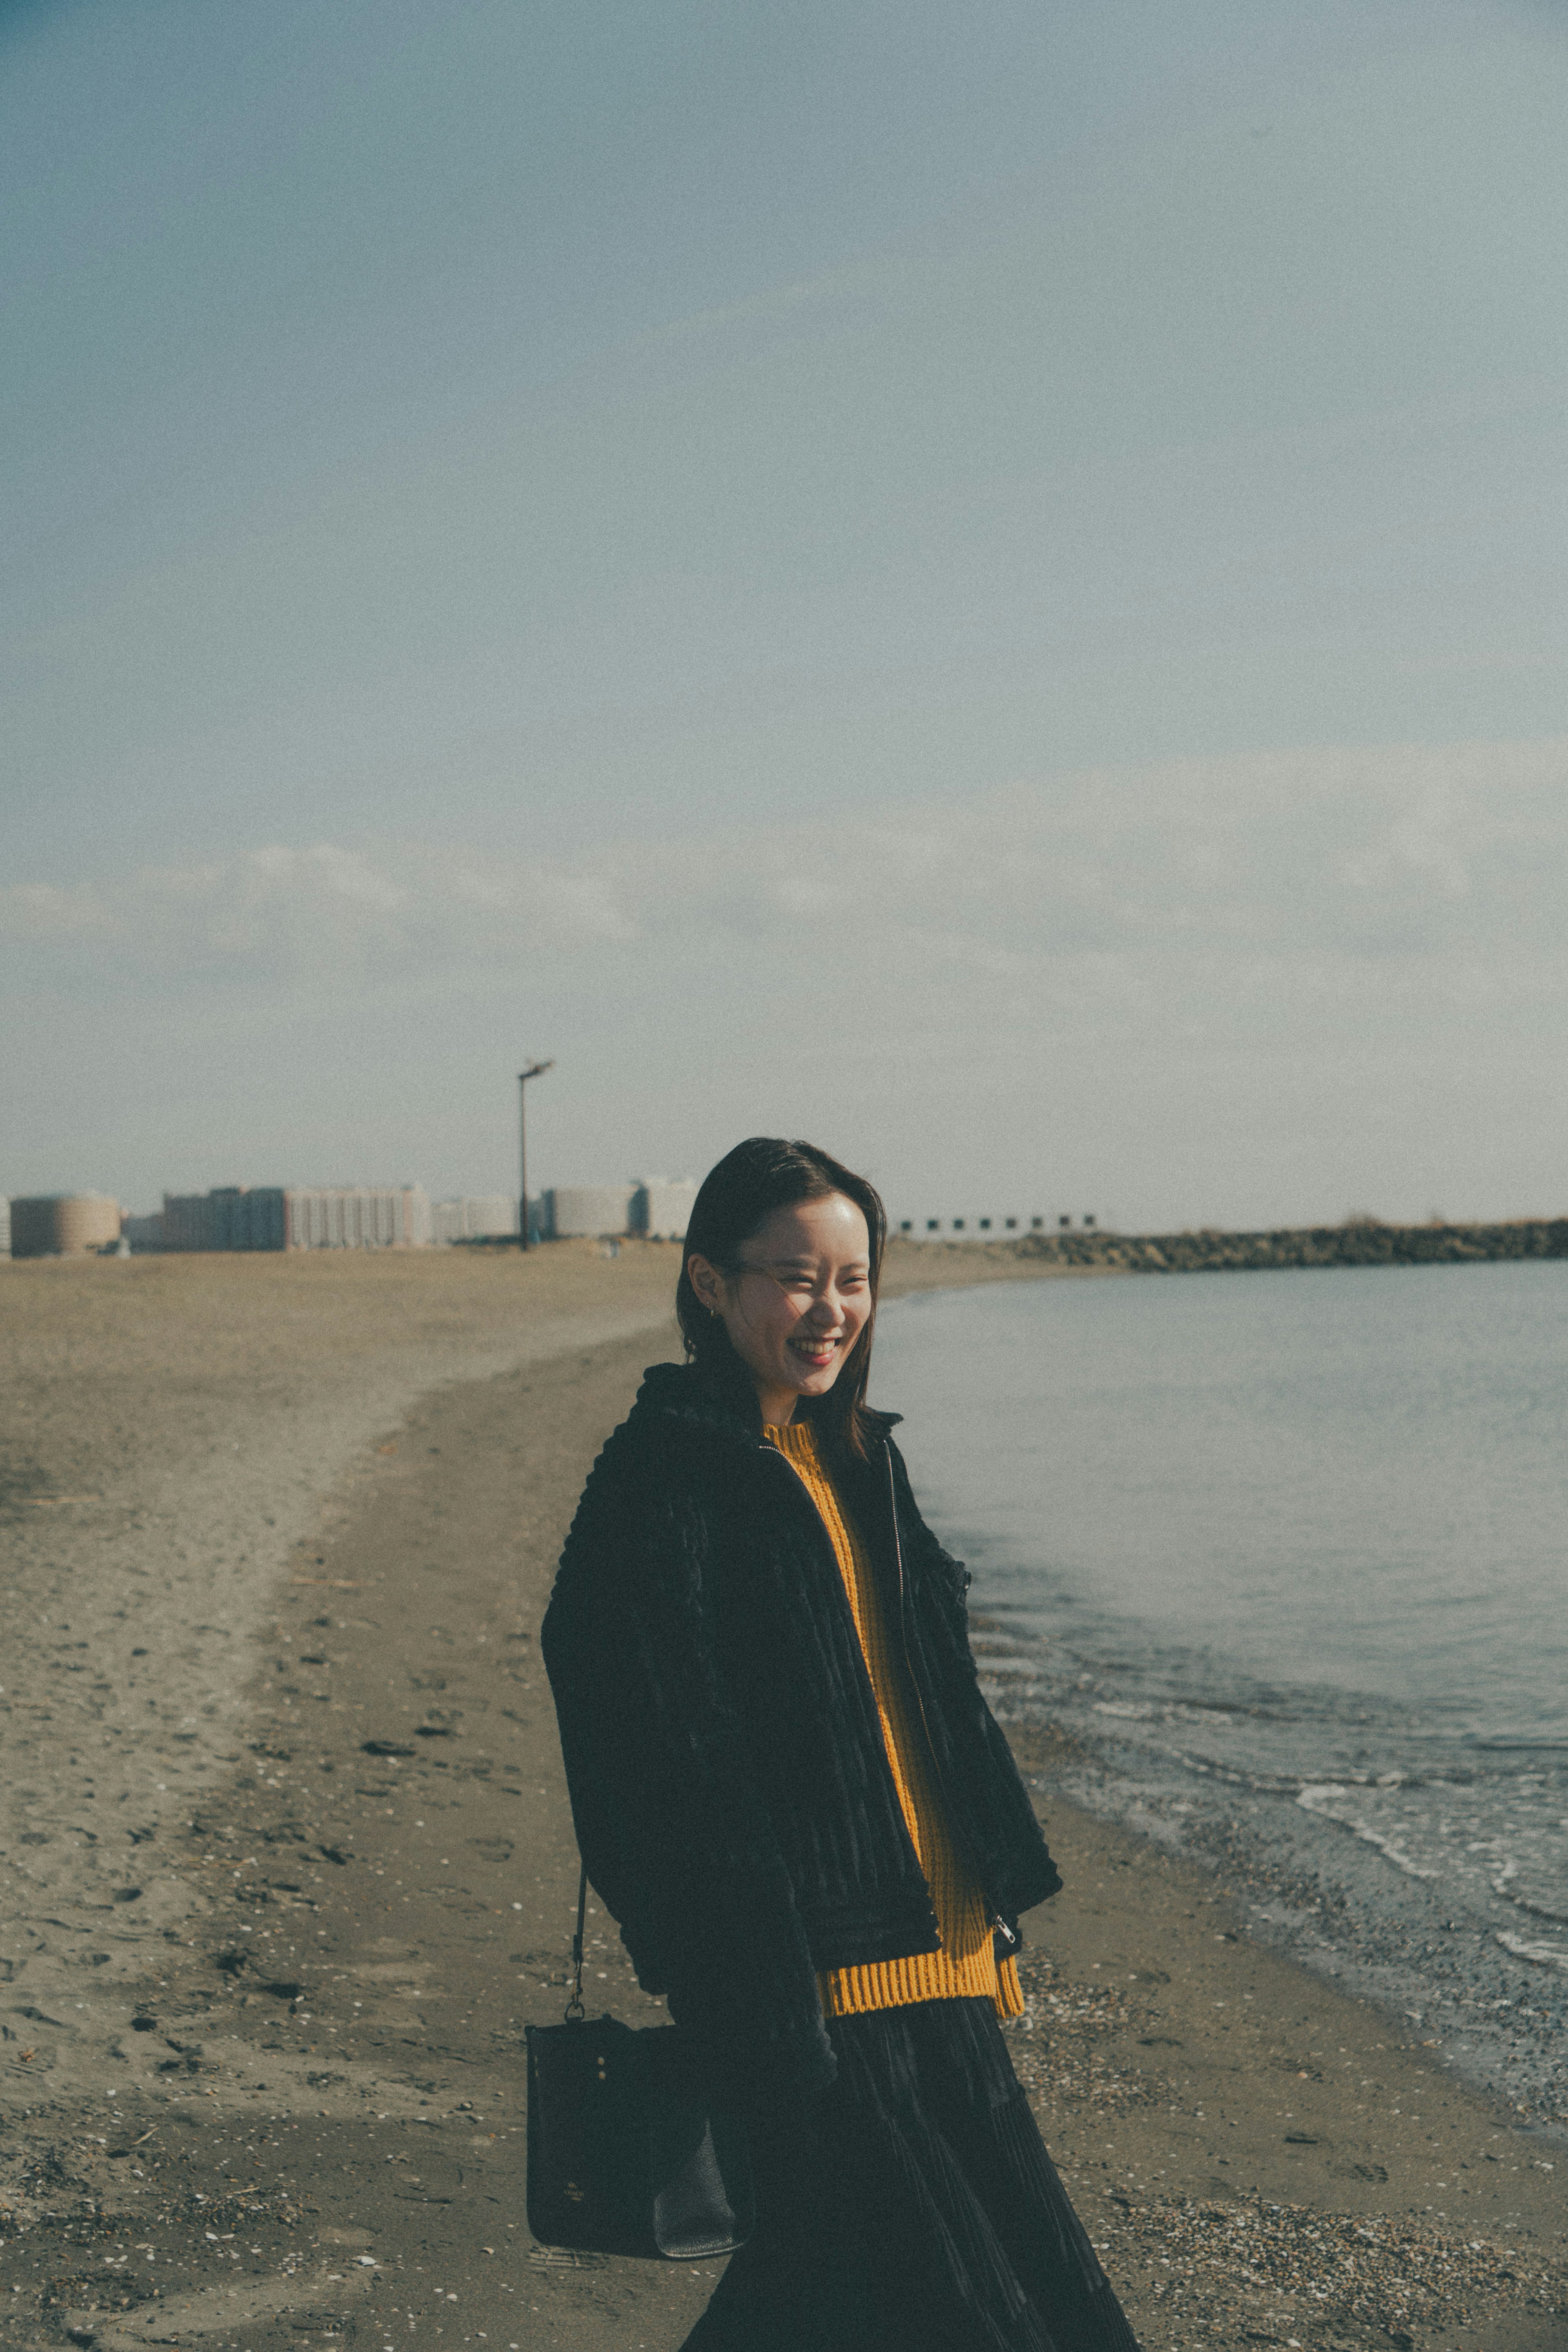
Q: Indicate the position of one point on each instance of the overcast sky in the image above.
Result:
(985, 584)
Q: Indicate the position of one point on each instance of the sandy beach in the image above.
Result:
(290, 1864)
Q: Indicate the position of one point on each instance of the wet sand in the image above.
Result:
(283, 1889)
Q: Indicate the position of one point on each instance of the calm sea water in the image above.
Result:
(1285, 1553)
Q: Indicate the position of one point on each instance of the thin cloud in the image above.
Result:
(282, 915)
(1443, 868)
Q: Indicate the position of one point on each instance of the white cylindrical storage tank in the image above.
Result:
(64, 1224)
(86, 1222)
(587, 1211)
(474, 1218)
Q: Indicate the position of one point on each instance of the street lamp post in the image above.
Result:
(534, 1070)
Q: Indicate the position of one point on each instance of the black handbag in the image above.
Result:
(625, 2155)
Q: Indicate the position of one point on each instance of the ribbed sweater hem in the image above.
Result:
(923, 1976)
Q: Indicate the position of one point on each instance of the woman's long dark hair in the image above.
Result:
(737, 1199)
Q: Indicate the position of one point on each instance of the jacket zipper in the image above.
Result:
(998, 1922)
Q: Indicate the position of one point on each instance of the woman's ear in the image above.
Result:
(706, 1282)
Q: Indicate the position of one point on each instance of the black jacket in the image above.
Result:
(730, 1785)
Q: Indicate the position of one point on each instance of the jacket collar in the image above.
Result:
(716, 1396)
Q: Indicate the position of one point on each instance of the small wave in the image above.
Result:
(1316, 1800)
(1260, 1784)
(1518, 1747)
(1545, 1956)
(1522, 1902)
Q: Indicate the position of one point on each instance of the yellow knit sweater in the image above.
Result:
(966, 1966)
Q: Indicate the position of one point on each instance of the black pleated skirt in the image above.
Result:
(917, 2208)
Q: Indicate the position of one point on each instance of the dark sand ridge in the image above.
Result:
(313, 2053)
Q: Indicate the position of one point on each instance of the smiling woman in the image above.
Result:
(794, 1308)
(793, 1294)
(791, 1795)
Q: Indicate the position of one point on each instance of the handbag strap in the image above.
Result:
(574, 2008)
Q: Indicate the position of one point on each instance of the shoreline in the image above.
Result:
(1397, 1848)
(1319, 1895)
(311, 2048)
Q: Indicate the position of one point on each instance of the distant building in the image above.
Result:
(186, 1222)
(141, 1234)
(357, 1217)
(232, 1217)
(576, 1211)
(474, 1219)
(64, 1224)
(662, 1207)
(5, 1228)
(277, 1217)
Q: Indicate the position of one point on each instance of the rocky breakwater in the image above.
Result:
(1360, 1241)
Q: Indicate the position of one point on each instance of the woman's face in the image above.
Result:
(799, 1302)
